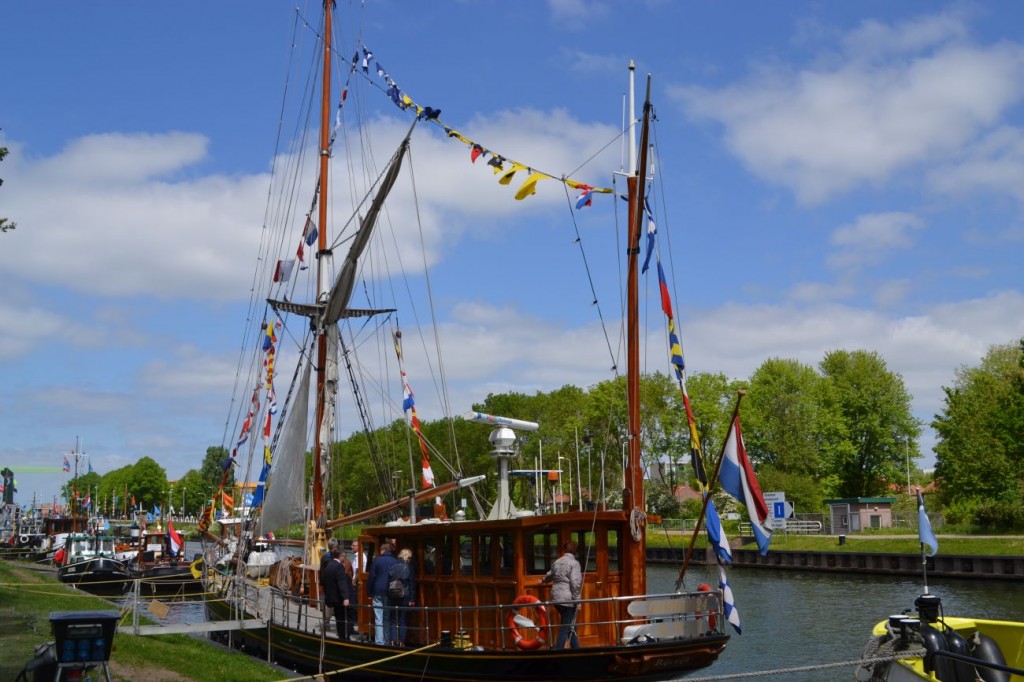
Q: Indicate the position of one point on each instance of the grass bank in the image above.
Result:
(27, 597)
(987, 545)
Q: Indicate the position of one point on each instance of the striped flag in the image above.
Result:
(716, 533)
(409, 408)
(731, 614)
(738, 479)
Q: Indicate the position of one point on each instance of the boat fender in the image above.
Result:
(985, 648)
(941, 666)
(712, 619)
(956, 644)
(542, 624)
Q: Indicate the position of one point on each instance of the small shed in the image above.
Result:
(854, 514)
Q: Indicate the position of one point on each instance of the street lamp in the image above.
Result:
(183, 489)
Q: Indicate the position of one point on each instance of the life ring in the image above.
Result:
(542, 624)
(712, 619)
(22, 539)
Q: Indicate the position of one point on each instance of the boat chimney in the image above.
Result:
(503, 440)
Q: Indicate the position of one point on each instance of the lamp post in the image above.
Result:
(908, 465)
(183, 489)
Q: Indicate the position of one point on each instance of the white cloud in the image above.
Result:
(871, 237)
(828, 130)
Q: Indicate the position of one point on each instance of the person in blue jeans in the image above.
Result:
(567, 585)
(377, 586)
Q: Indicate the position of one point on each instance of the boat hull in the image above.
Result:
(302, 650)
(166, 579)
(1006, 637)
(99, 575)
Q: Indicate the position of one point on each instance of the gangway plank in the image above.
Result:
(192, 628)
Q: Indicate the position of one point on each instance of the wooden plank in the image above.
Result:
(186, 628)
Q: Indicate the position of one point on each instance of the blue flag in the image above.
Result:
(924, 528)
(716, 534)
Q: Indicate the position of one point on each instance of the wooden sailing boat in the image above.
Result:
(481, 609)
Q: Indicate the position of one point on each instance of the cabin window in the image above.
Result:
(586, 550)
(506, 554)
(429, 556)
(613, 551)
(465, 555)
(447, 552)
(542, 549)
(484, 563)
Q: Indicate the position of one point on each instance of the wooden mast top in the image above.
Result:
(633, 501)
(322, 263)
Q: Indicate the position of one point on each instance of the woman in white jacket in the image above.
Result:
(567, 583)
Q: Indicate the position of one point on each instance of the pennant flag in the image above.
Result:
(409, 408)
(309, 232)
(87, 502)
(716, 533)
(90, 467)
(584, 199)
(737, 477)
(67, 465)
(506, 177)
(652, 230)
(530, 186)
(924, 528)
(174, 538)
(156, 510)
(227, 502)
(731, 614)
(283, 270)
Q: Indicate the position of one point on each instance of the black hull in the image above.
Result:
(165, 580)
(101, 575)
(302, 651)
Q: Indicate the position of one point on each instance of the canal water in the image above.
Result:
(794, 619)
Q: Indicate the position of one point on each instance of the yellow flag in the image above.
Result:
(530, 186)
(507, 177)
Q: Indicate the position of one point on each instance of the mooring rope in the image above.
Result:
(811, 668)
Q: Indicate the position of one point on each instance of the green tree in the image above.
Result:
(978, 457)
(190, 493)
(212, 468)
(5, 224)
(876, 415)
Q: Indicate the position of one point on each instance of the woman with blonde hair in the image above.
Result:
(401, 595)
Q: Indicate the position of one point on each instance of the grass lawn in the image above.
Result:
(990, 545)
(28, 596)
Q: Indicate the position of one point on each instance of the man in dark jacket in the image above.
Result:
(377, 587)
(337, 590)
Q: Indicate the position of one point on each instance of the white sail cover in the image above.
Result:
(330, 400)
(285, 500)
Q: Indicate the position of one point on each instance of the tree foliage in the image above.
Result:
(212, 468)
(980, 431)
(875, 411)
(5, 224)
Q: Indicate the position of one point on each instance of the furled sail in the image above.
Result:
(341, 293)
(286, 485)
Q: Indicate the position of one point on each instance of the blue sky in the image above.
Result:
(841, 175)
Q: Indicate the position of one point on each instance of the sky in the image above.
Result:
(838, 176)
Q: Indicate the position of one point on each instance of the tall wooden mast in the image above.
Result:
(323, 267)
(633, 501)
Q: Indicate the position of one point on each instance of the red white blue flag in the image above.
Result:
(738, 479)
(174, 537)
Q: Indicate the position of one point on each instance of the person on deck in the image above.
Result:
(377, 587)
(397, 613)
(567, 584)
(336, 592)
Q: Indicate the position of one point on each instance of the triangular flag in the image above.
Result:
(530, 186)
(507, 175)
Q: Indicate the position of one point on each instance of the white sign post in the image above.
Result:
(779, 509)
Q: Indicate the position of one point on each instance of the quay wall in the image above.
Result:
(956, 566)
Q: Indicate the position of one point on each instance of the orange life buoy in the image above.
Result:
(712, 619)
(542, 624)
